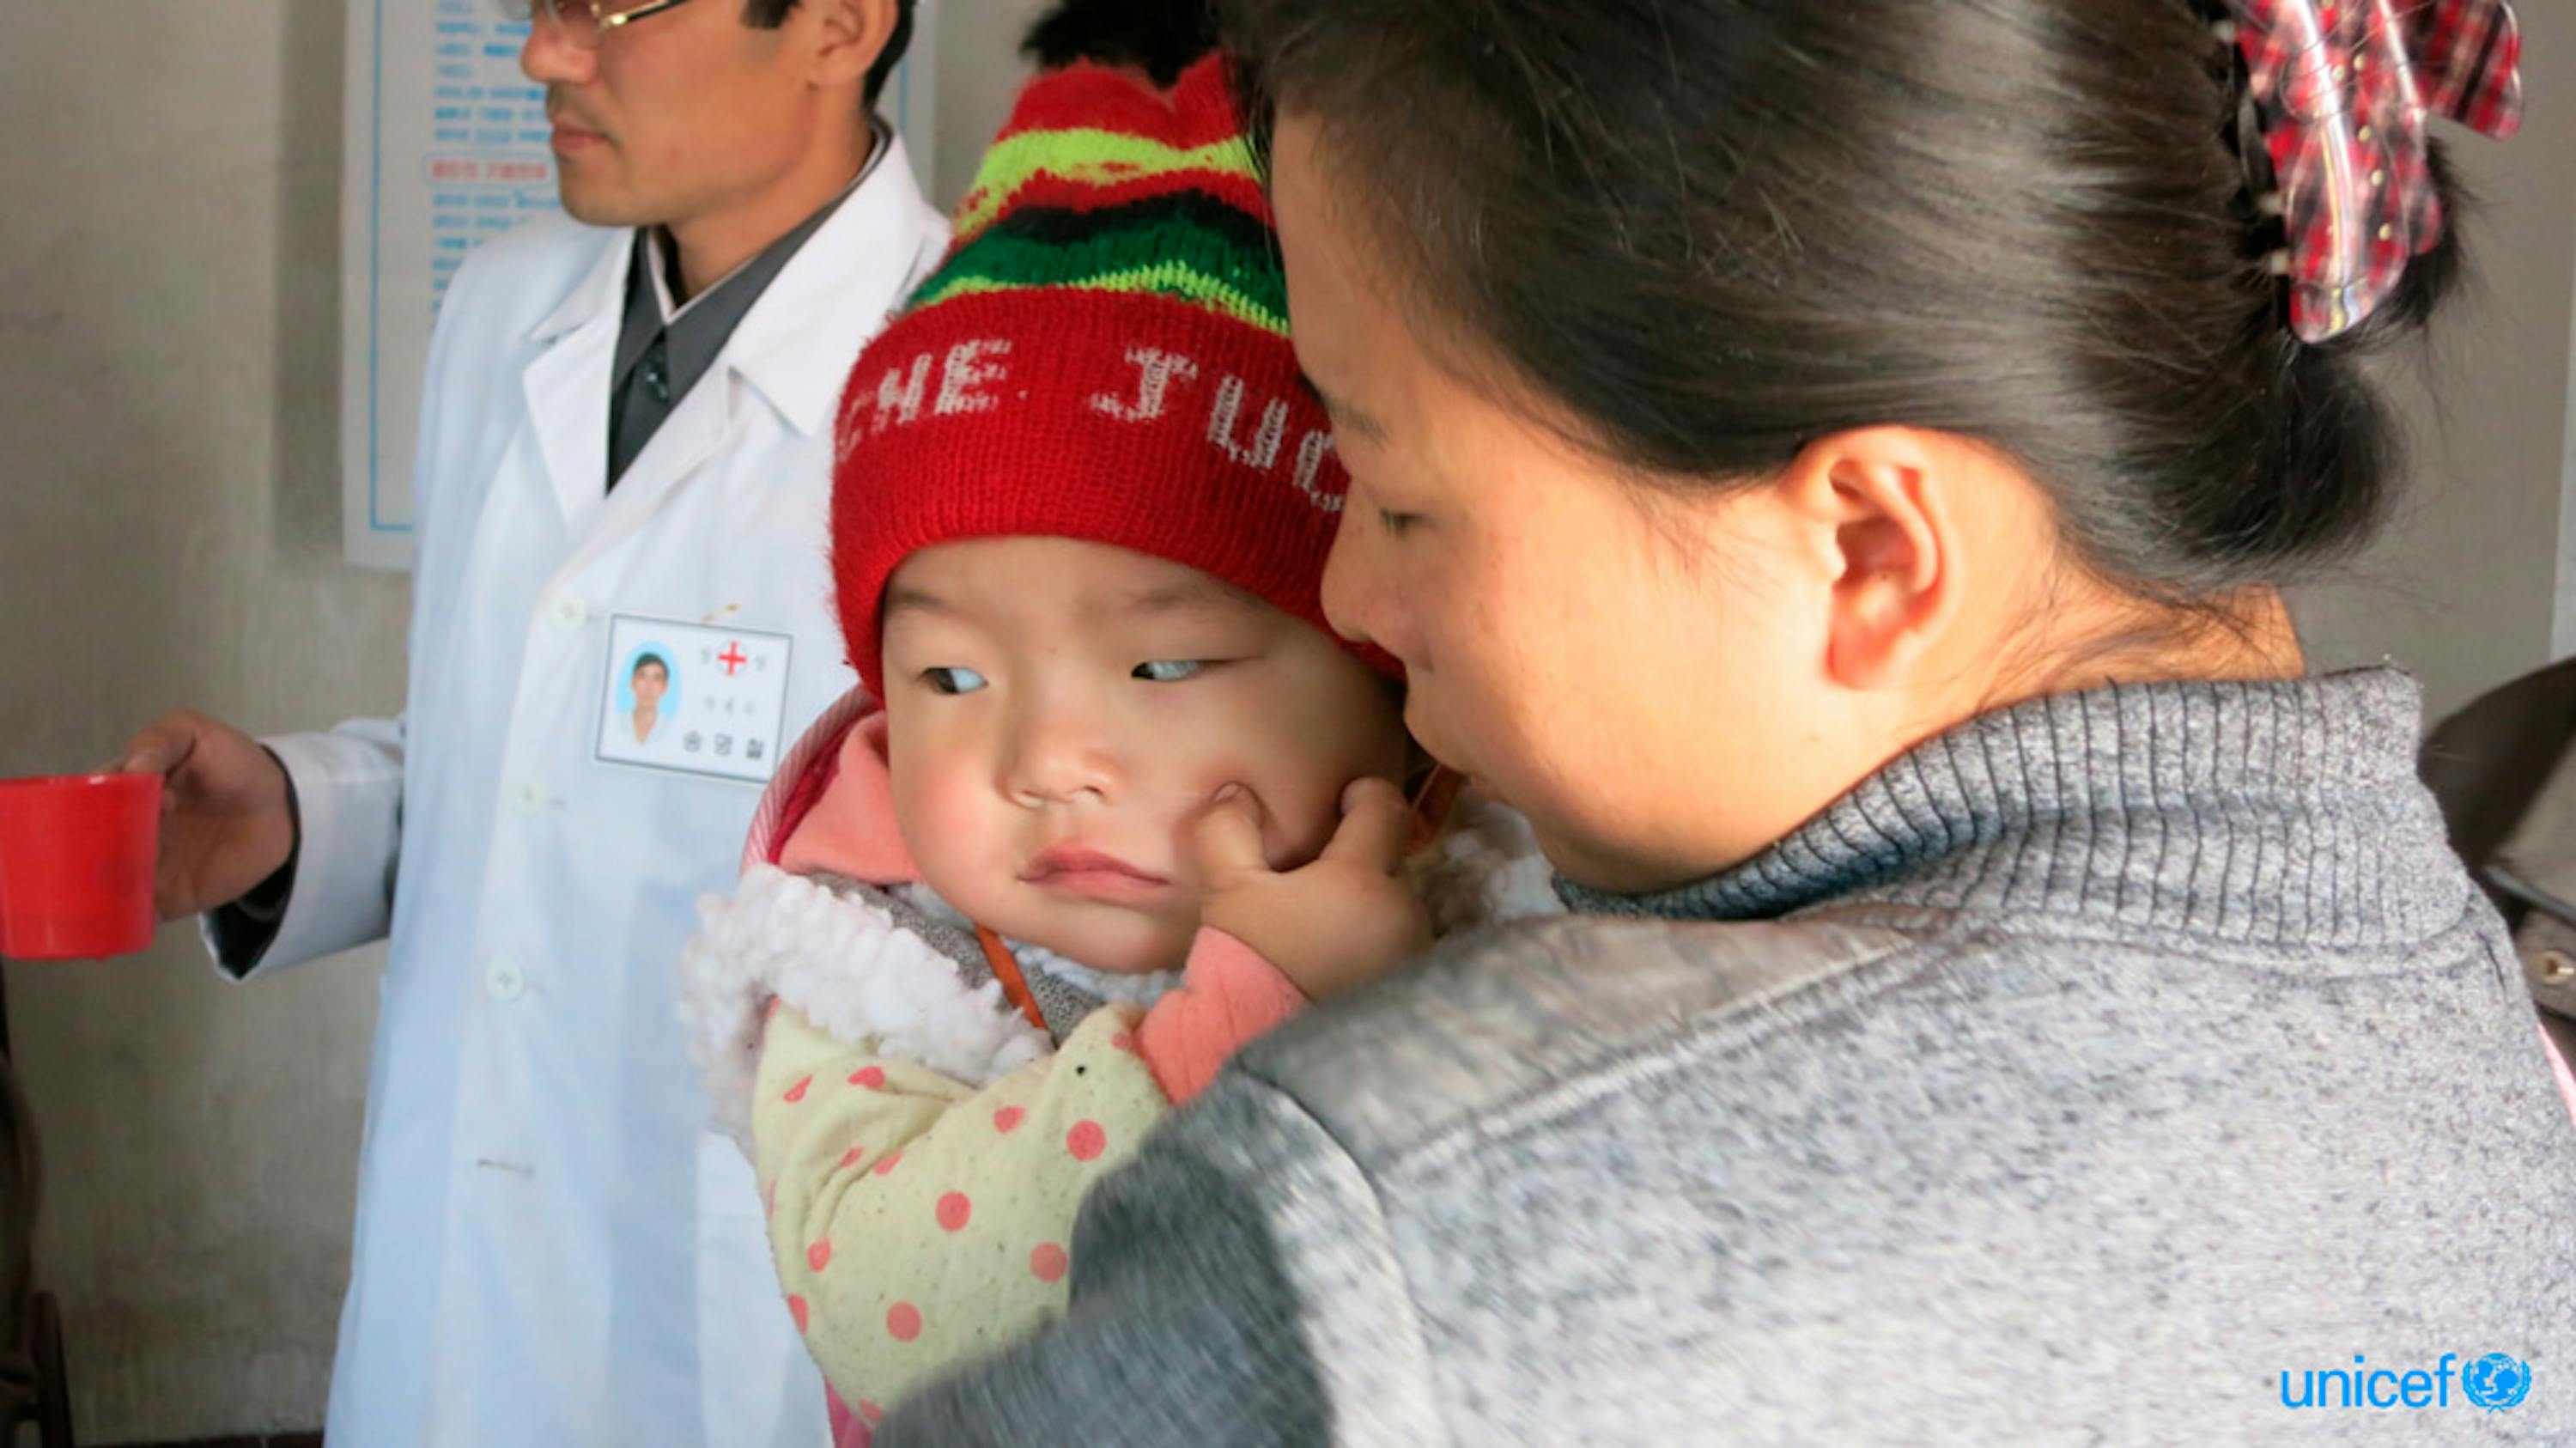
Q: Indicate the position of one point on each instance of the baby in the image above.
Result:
(1112, 799)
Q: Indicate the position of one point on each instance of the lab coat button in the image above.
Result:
(569, 612)
(528, 797)
(504, 981)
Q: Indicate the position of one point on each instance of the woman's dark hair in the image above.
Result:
(770, 14)
(1715, 232)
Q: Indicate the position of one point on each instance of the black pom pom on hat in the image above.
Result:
(1158, 37)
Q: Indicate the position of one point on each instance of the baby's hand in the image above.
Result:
(1339, 922)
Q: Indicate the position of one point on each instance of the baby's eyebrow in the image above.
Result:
(900, 599)
(1195, 595)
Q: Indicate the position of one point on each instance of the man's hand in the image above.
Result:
(1339, 922)
(226, 820)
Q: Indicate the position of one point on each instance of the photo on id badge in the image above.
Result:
(693, 699)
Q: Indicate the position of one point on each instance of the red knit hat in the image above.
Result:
(1103, 356)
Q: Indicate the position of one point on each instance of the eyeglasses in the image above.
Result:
(584, 22)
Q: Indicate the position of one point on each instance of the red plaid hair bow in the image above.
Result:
(2340, 90)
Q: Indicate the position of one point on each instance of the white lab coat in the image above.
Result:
(552, 1249)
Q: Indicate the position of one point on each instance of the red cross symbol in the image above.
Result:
(732, 658)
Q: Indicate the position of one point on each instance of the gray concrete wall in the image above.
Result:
(168, 532)
(2476, 580)
(979, 72)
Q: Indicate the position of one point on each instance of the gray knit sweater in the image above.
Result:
(2124, 1067)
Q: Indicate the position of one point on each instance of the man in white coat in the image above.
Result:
(625, 449)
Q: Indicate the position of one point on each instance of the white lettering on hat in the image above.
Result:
(1264, 451)
(899, 396)
(1157, 371)
(965, 371)
(1310, 466)
(847, 434)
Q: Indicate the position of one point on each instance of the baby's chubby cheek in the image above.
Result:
(957, 845)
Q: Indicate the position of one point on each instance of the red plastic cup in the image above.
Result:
(76, 860)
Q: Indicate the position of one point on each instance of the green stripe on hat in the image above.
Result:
(1142, 281)
(1186, 247)
(1097, 157)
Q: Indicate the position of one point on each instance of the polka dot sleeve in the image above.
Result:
(917, 1222)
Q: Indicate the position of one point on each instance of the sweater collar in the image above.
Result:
(2283, 810)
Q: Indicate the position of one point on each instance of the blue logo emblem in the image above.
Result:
(2497, 1381)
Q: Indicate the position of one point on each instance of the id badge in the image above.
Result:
(692, 699)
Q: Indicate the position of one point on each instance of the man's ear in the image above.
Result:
(1879, 504)
(849, 36)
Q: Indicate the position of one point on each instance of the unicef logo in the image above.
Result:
(2494, 1382)
(2497, 1381)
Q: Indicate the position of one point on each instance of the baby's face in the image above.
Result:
(1060, 714)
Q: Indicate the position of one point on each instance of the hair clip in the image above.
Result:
(2341, 89)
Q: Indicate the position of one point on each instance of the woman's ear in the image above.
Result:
(849, 35)
(1880, 506)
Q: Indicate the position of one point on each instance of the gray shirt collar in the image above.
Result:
(698, 329)
(2255, 811)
